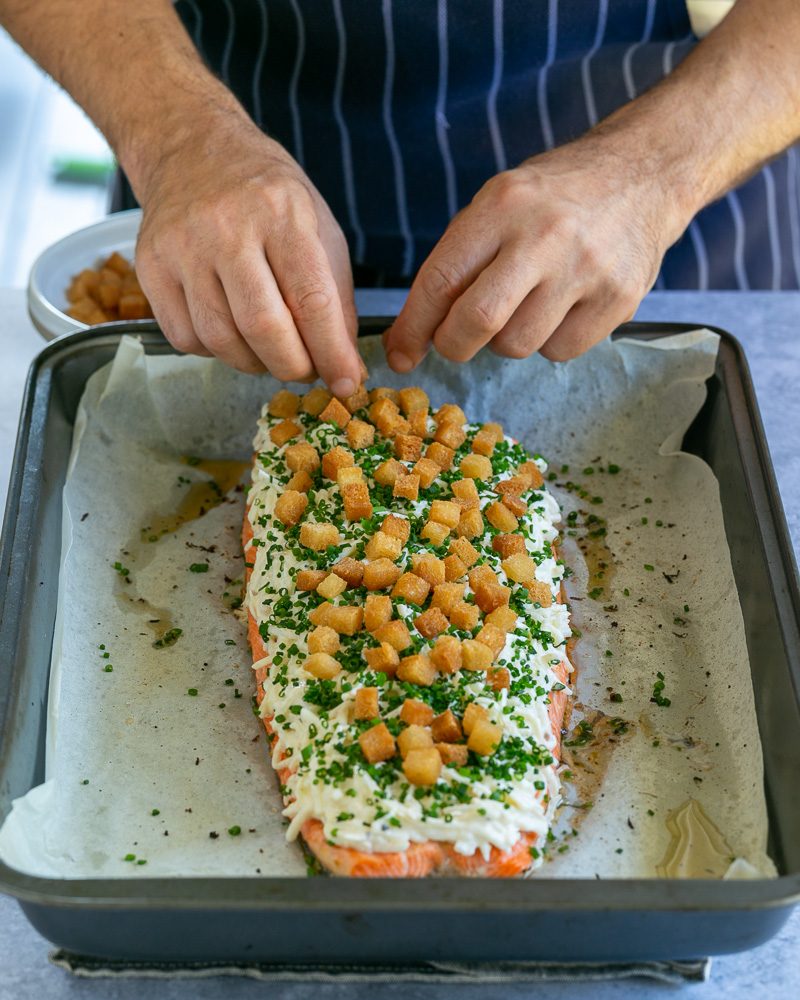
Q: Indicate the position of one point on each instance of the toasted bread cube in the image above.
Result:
(300, 481)
(387, 472)
(500, 517)
(412, 398)
(520, 568)
(283, 404)
(380, 574)
(496, 430)
(446, 654)
(358, 400)
(493, 637)
(508, 545)
(446, 728)
(315, 401)
(398, 527)
(407, 447)
(309, 579)
(392, 426)
(335, 413)
(290, 507)
(349, 474)
(464, 616)
(318, 536)
(302, 457)
(335, 459)
(476, 467)
(427, 471)
(116, 262)
(331, 587)
(377, 611)
(365, 703)
(418, 422)
(498, 678)
(473, 713)
(324, 639)
(450, 413)
(383, 659)
(416, 713)
(350, 570)
(482, 573)
(445, 595)
(489, 596)
(454, 568)
(431, 623)
(321, 614)
(377, 743)
(345, 619)
(426, 565)
(516, 505)
(465, 551)
(322, 665)
(423, 767)
(108, 295)
(360, 434)
(445, 512)
(485, 738)
(357, 503)
(475, 655)
(383, 546)
(450, 435)
(441, 455)
(383, 392)
(470, 524)
(284, 431)
(533, 473)
(503, 618)
(454, 754)
(414, 738)
(417, 669)
(383, 410)
(435, 533)
(411, 588)
(466, 493)
(406, 485)
(540, 593)
(515, 486)
(483, 443)
(395, 633)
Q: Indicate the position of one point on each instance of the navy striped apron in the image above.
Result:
(399, 110)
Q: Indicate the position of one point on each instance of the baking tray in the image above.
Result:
(334, 920)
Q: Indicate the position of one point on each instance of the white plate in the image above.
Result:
(55, 267)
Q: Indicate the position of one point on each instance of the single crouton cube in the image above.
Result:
(309, 579)
(515, 486)
(335, 413)
(349, 474)
(322, 665)
(321, 614)
(383, 392)
(446, 654)
(360, 434)
(283, 404)
(290, 507)
(533, 473)
(475, 655)
(464, 616)
(345, 619)
(365, 703)
(482, 573)
(493, 637)
(450, 413)
(284, 431)
(380, 574)
(470, 524)
(466, 493)
(418, 422)
(445, 512)
(324, 639)
(315, 401)
(451, 435)
(416, 669)
(358, 400)
(426, 565)
(499, 678)
(496, 430)
(489, 596)
(387, 472)
(335, 459)
(395, 633)
(318, 536)
(508, 545)
(465, 551)
(300, 481)
(454, 568)
(383, 659)
(483, 443)
(407, 447)
(445, 595)
(485, 738)
(423, 767)
(357, 503)
(411, 588)
(431, 623)
(427, 472)
(377, 611)
(398, 527)
(503, 618)
(516, 505)
(520, 568)
(377, 743)
(393, 426)
(350, 570)
(416, 713)
(412, 398)
(302, 457)
(453, 754)
(500, 517)
(383, 410)
(441, 455)
(434, 532)
(406, 485)
(331, 587)
(476, 467)
(414, 738)
(540, 593)
(473, 713)
(383, 546)
(446, 728)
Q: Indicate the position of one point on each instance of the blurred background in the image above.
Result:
(55, 167)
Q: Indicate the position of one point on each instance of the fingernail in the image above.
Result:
(400, 362)
(343, 387)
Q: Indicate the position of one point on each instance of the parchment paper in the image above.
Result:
(140, 768)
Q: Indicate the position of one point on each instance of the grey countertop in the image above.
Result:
(768, 326)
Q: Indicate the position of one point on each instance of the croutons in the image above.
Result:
(450, 413)
(407, 447)
(485, 738)
(414, 738)
(503, 618)
(324, 639)
(493, 637)
(540, 593)
(383, 659)
(335, 413)
(380, 574)
(398, 527)
(318, 536)
(445, 512)
(446, 654)
(377, 611)
(498, 678)
(417, 669)
(322, 666)
(426, 565)
(418, 423)
(520, 568)
(411, 588)
(319, 615)
(475, 655)
(395, 633)
(300, 481)
(377, 743)
(383, 546)
(427, 472)
(464, 616)
(350, 570)
(445, 595)
(516, 505)
(470, 524)
(309, 579)
(416, 713)
(357, 503)
(465, 551)
(489, 596)
(483, 443)
(508, 545)
(302, 457)
(383, 412)
(472, 714)
(466, 493)
(514, 486)
(434, 532)
(284, 431)
(412, 398)
(446, 728)
(476, 467)
(358, 400)
(383, 392)
(533, 473)
(283, 404)
(315, 401)
(344, 619)
(423, 767)
(290, 507)
(451, 435)
(335, 459)
(406, 485)
(431, 623)
(500, 517)
(331, 587)
(365, 703)
(441, 455)
(349, 474)
(387, 472)
(360, 434)
(482, 574)
(454, 568)
(454, 754)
